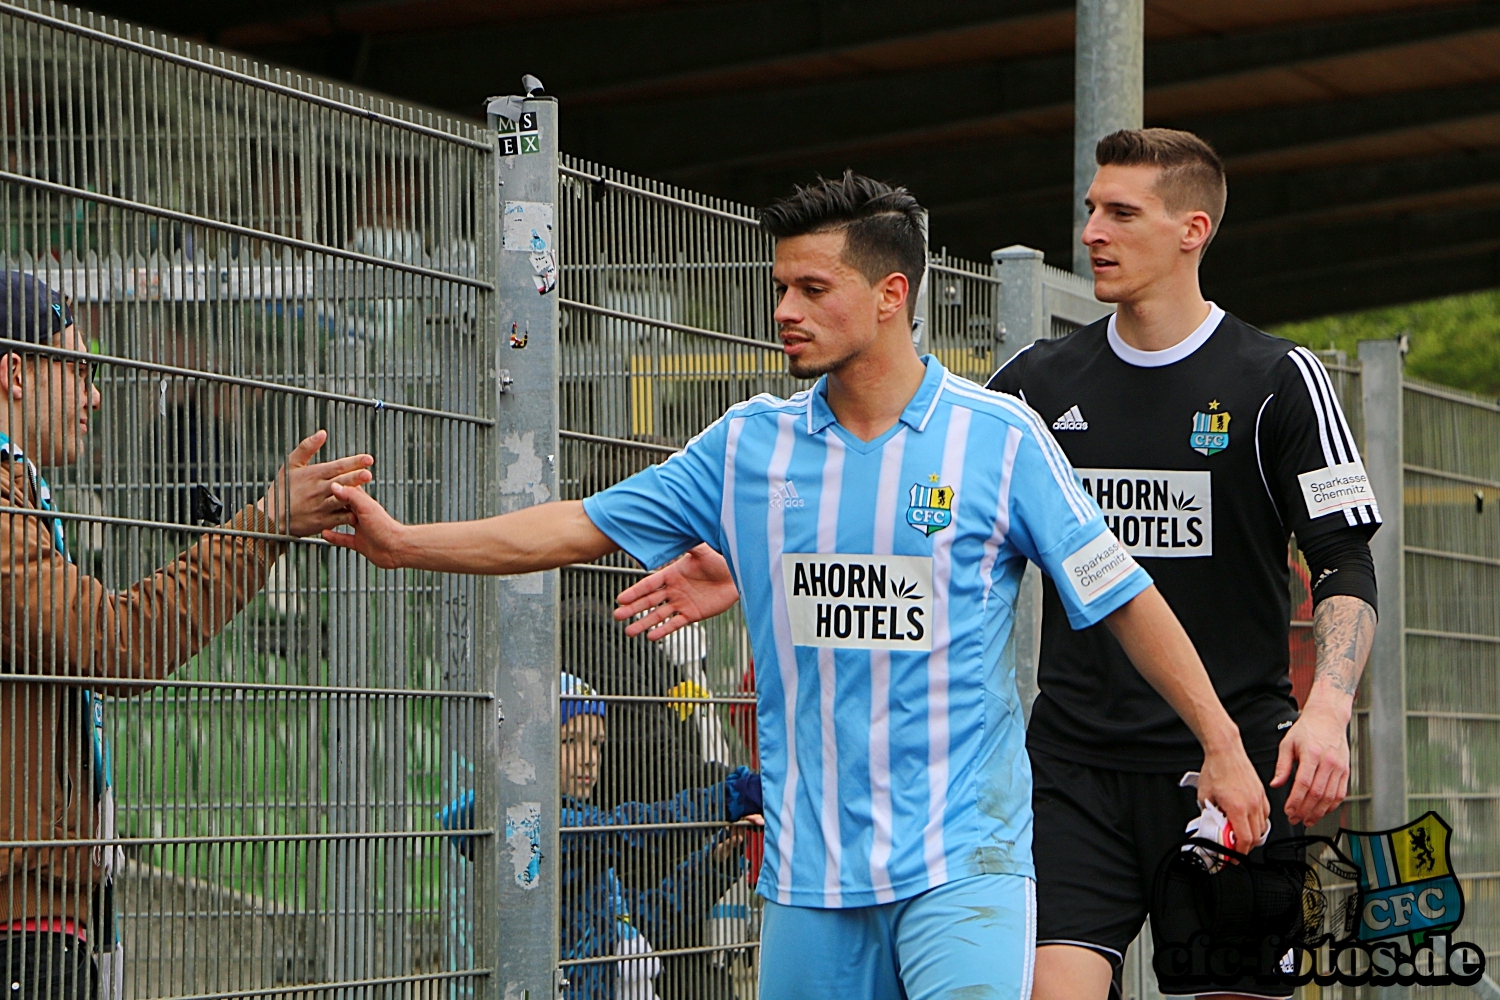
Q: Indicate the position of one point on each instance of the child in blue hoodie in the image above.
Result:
(602, 917)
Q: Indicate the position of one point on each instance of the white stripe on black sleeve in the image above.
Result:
(1334, 452)
(1367, 514)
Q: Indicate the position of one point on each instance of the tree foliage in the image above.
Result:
(1454, 341)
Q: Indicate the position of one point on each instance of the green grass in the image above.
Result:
(1454, 341)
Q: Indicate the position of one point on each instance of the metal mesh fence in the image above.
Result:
(253, 255)
(1452, 486)
(666, 321)
(963, 312)
(1452, 546)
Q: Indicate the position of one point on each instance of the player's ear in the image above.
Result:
(893, 290)
(1196, 232)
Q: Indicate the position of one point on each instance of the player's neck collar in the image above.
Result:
(1156, 359)
(820, 414)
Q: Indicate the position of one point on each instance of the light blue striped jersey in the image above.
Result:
(878, 580)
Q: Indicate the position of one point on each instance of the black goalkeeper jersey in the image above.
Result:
(1204, 458)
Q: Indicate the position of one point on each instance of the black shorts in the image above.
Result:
(47, 966)
(1099, 837)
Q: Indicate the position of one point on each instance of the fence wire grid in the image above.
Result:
(252, 255)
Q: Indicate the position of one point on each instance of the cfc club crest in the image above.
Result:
(1210, 430)
(931, 508)
(1406, 887)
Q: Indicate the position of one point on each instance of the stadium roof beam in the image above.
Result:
(1373, 117)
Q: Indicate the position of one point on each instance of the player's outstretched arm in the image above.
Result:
(1318, 742)
(542, 537)
(1162, 652)
(690, 589)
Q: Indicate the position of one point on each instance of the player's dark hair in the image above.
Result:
(1192, 175)
(882, 225)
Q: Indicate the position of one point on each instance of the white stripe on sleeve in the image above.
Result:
(726, 500)
(1368, 514)
(1002, 513)
(1334, 452)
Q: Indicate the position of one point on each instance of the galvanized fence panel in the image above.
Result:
(1452, 546)
(963, 316)
(254, 255)
(667, 306)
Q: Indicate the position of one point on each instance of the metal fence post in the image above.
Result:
(1386, 674)
(522, 890)
(1023, 321)
(1108, 92)
(1023, 316)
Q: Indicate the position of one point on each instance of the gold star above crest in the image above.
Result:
(1213, 404)
(932, 477)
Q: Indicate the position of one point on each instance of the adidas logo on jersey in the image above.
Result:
(786, 497)
(1071, 421)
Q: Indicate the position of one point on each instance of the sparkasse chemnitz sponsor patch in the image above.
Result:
(1396, 926)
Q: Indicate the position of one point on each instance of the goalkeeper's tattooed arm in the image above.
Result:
(1318, 744)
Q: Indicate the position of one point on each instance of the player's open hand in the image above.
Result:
(1229, 781)
(1318, 746)
(377, 536)
(690, 589)
(301, 501)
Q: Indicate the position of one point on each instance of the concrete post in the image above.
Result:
(1023, 317)
(1108, 86)
(1023, 320)
(520, 887)
(1385, 675)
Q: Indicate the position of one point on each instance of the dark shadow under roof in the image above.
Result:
(1362, 137)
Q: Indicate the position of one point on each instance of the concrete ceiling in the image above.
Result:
(1362, 137)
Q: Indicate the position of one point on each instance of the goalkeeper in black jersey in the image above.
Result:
(1206, 443)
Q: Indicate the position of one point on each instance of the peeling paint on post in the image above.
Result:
(521, 882)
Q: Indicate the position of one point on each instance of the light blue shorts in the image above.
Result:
(973, 939)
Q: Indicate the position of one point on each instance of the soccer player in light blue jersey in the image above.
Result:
(876, 525)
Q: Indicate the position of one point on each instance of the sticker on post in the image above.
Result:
(1097, 567)
(1338, 487)
(528, 226)
(523, 834)
(544, 268)
(515, 137)
(859, 601)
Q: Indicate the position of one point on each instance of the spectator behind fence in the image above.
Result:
(601, 916)
(654, 750)
(55, 622)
